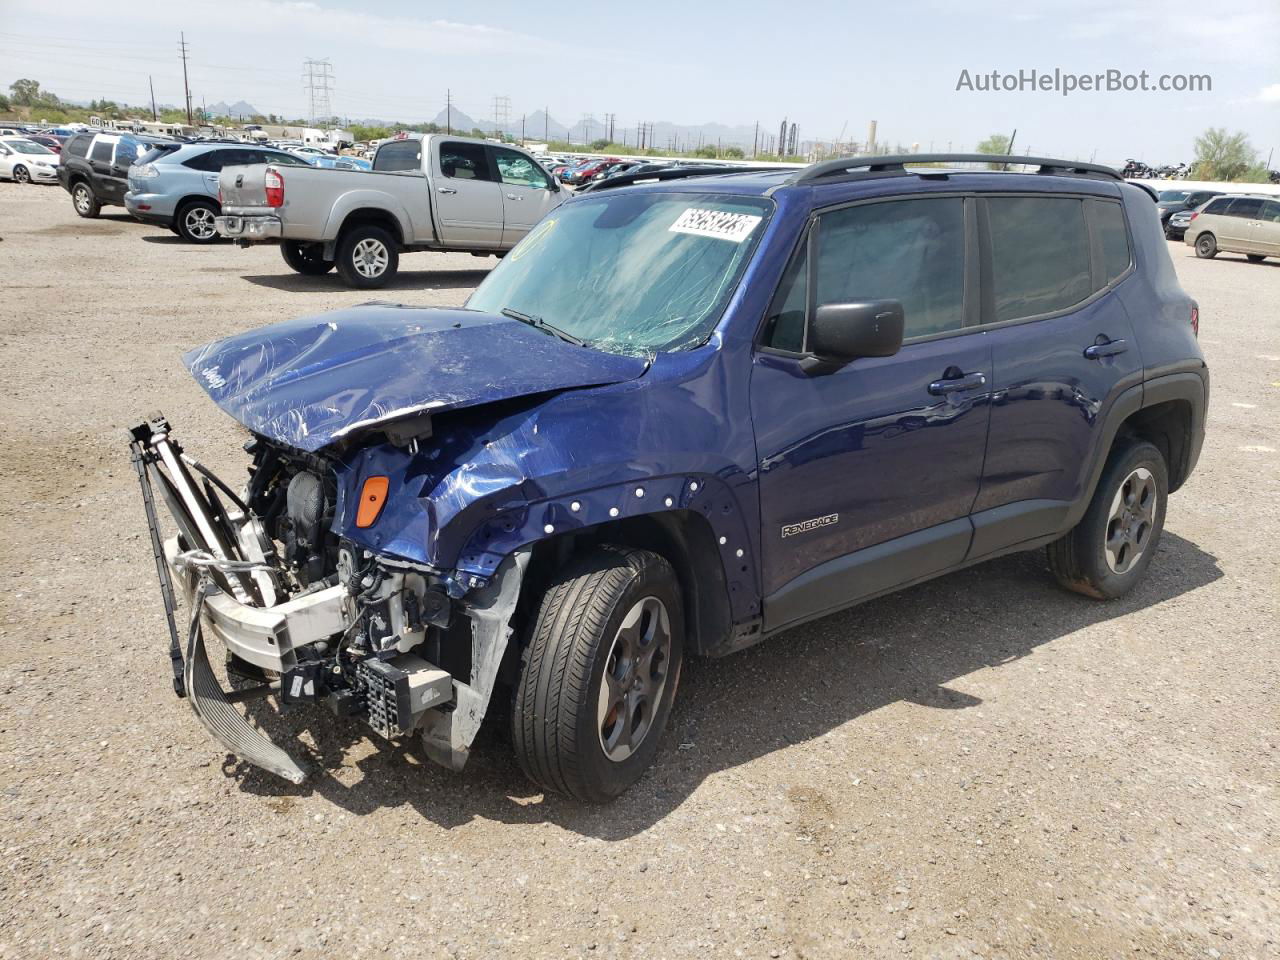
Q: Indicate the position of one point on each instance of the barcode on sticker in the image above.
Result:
(718, 224)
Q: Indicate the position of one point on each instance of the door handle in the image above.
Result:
(968, 381)
(1108, 349)
(445, 190)
(514, 196)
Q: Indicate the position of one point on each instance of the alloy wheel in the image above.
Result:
(370, 258)
(199, 223)
(21, 175)
(83, 201)
(1131, 520)
(635, 676)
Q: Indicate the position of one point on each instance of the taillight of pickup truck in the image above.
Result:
(274, 184)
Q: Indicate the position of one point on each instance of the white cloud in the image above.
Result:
(1269, 94)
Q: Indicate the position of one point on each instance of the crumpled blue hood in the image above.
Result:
(314, 380)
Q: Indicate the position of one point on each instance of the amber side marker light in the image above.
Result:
(372, 496)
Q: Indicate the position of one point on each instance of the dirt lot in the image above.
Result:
(980, 766)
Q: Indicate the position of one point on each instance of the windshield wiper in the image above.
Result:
(541, 324)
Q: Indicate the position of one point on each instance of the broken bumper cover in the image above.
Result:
(264, 636)
(249, 228)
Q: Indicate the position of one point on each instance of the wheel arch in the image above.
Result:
(191, 198)
(370, 216)
(693, 522)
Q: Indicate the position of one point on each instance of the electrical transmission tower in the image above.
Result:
(501, 115)
(317, 78)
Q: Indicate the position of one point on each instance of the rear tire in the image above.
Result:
(599, 673)
(194, 221)
(1108, 551)
(21, 174)
(1206, 246)
(306, 258)
(367, 257)
(1254, 257)
(85, 203)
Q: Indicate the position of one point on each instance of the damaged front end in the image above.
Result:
(308, 616)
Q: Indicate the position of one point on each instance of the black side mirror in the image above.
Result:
(842, 332)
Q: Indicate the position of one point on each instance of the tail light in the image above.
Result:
(274, 182)
(372, 496)
(1195, 320)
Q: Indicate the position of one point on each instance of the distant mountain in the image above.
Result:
(238, 109)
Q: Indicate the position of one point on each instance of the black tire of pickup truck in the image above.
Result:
(617, 609)
(367, 257)
(306, 258)
(1080, 560)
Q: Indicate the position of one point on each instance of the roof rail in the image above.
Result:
(895, 165)
(674, 173)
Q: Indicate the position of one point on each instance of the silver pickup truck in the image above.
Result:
(431, 193)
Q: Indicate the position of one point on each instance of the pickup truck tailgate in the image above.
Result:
(243, 187)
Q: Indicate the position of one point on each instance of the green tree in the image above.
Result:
(1223, 156)
(26, 93)
(4, 104)
(734, 153)
(707, 151)
(997, 143)
(598, 145)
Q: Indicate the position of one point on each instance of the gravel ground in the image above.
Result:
(984, 765)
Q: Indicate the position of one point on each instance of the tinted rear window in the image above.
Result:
(1218, 206)
(102, 151)
(399, 155)
(1039, 255)
(79, 146)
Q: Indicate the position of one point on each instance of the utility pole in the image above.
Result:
(448, 111)
(186, 88)
(501, 115)
(152, 85)
(522, 118)
(546, 124)
(755, 140)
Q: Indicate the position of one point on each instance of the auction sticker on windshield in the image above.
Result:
(718, 224)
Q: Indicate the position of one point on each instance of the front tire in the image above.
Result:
(599, 673)
(367, 257)
(1206, 246)
(85, 203)
(1108, 551)
(21, 174)
(306, 258)
(194, 222)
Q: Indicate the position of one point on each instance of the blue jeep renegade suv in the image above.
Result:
(690, 410)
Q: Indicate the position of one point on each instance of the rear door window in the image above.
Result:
(464, 161)
(1247, 207)
(1039, 255)
(102, 150)
(79, 146)
(399, 155)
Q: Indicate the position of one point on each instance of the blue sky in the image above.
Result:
(823, 64)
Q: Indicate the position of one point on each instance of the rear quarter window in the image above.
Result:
(1244, 207)
(79, 146)
(1108, 219)
(1039, 255)
(1218, 206)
